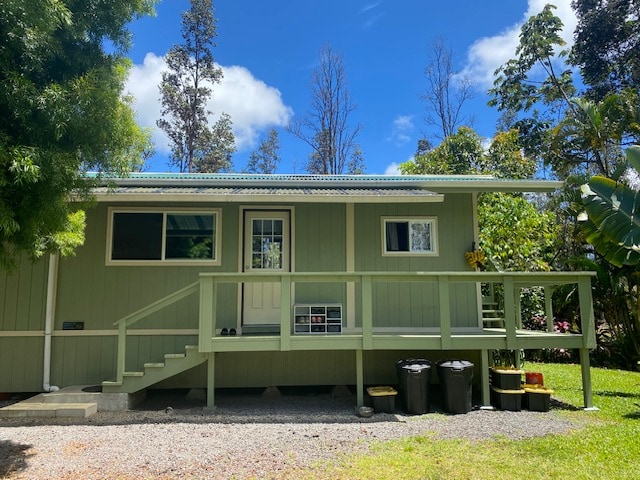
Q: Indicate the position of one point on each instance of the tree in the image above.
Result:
(505, 157)
(63, 113)
(514, 88)
(590, 136)
(607, 40)
(326, 127)
(528, 101)
(446, 93)
(266, 158)
(514, 234)
(184, 92)
(460, 153)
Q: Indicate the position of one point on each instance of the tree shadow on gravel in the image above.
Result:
(13, 457)
(255, 405)
(287, 405)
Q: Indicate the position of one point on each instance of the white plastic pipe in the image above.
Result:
(52, 288)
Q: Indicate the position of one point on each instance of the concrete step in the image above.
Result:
(48, 409)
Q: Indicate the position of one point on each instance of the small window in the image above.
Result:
(146, 237)
(415, 236)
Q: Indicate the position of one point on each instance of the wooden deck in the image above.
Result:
(366, 336)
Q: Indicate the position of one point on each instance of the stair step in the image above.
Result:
(493, 311)
(191, 347)
(42, 409)
(154, 365)
(174, 355)
(133, 374)
(111, 383)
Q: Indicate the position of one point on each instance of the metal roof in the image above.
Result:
(236, 187)
(268, 194)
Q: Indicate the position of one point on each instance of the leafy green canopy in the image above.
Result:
(514, 233)
(607, 39)
(63, 113)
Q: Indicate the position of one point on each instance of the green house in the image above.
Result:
(225, 280)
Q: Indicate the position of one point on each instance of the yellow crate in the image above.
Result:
(383, 399)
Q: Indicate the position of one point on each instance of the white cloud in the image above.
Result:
(370, 6)
(371, 16)
(489, 53)
(393, 169)
(401, 130)
(252, 104)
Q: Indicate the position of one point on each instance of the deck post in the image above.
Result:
(509, 313)
(548, 306)
(518, 305)
(484, 378)
(518, 319)
(444, 297)
(367, 313)
(585, 366)
(208, 290)
(359, 379)
(122, 351)
(211, 374)
(587, 319)
(285, 313)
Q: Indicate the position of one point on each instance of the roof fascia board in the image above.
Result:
(265, 198)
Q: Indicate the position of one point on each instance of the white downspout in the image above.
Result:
(52, 287)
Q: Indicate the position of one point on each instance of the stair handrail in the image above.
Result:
(138, 315)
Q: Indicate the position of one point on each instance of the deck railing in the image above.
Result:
(510, 338)
(144, 312)
(366, 339)
(483, 340)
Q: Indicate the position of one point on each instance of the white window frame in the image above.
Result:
(434, 236)
(216, 212)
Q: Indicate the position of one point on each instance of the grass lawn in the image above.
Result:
(608, 447)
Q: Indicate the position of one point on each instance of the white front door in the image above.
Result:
(266, 249)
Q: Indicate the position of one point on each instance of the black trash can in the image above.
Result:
(455, 382)
(414, 377)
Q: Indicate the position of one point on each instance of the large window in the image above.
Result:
(409, 236)
(162, 236)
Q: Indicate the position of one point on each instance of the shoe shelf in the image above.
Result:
(317, 318)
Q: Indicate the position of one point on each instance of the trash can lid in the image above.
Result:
(411, 361)
(456, 364)
(416, 367)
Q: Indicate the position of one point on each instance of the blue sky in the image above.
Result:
(268, 51)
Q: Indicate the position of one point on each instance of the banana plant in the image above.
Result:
(612, 220)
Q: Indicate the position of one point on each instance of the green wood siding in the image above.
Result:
(416, 304)
(99, 295)
(320, 246)
(21, 359)
(82, 360)
(23, 296)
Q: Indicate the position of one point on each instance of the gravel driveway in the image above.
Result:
(248, 437)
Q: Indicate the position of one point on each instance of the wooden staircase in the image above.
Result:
(492, 316)
(153, 373)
